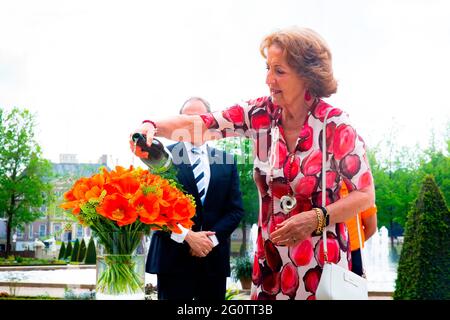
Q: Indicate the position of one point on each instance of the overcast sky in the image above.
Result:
(92, 70)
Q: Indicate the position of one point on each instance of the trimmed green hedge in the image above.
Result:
(68, 252)
(91, 254)
(62, 251)
(82, 251)
(75, 250)
(424, 266)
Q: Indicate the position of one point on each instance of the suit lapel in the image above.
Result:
(185, 174)
(214, 169)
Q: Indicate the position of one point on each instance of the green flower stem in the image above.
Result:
(119, 276)
(117, 273)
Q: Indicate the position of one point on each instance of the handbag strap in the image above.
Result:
(324, 190)
(324, 181)
(361, 247)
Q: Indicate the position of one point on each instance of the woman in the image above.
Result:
(286, 129)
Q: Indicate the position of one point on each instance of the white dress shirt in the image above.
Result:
(179, 237)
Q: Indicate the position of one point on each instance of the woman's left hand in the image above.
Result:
(295, 229)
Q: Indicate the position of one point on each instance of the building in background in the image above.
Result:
(55, 223)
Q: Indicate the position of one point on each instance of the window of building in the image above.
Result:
(42, 230)
(57, 231)
(19, 233)
(30, 231)
(79, 231)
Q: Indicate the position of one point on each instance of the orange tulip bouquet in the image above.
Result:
(121, 205)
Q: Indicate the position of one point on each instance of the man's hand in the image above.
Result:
(200, 243)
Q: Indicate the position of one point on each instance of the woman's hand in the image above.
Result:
(295, 229)
(147, 129)
(137, 150)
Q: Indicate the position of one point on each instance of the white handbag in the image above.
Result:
(336, 282)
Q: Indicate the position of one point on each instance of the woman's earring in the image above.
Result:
(307, 95)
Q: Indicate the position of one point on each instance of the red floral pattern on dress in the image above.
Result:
(262, 144)
(260, 254)
(281, 155)
(289, 280)
(331, 179)
(276, 219)
(344, 141)
(317, 198)
(365, 180)
(291, 169)
(270, 281)
(272, 256)
(306, 138)
(321, 109)
(333, 249)
(280, 187)
(234, 115)
(342, 236)
(264, 296)
(303, 204)
(306, 186)
(350, 165)
(311, 279)
(260, 180)
(266, 204)
(331, 128)
(210, 121)
(260, 120)
(302, 253)
(256, 273)
(312, 163)
(277, 268)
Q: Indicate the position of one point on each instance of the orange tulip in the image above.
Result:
(116, 207)
(126, 195)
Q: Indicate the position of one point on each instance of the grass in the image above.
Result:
(19, 261)
(235, 247)
(29, 298)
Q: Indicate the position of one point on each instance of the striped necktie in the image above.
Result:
(199, 174)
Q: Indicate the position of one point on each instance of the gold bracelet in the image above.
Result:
(320, 222)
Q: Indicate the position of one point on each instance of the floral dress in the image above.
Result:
(293, 272)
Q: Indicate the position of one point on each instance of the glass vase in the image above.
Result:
(120, 272)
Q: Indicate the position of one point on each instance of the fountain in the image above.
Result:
(252, 242)
(381, 262)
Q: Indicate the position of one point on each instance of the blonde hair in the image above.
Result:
(308, 54)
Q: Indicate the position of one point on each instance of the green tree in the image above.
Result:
(75, 251)
(91, 254)
(424, 266)
(396, 184)
(437, 163)
(242, 148)
(62, 251)
(82, 251)
(68, 252)
(398, 171)
(24, 175)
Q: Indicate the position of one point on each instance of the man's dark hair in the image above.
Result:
(205, 103)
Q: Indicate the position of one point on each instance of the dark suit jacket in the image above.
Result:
(221, 212)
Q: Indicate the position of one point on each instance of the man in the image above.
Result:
(196, 263)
